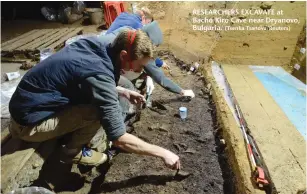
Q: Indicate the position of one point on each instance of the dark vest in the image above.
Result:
(55, 83)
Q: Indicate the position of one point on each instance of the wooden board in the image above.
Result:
(54, 38)
(64, 38)
(14, 154)
(25, 40)
(38, 41)
(35, 40)
(18, 38)
(5, 135)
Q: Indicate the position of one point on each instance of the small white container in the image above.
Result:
(297, 66)
(183, 112)
(12, 75)
(303, 50)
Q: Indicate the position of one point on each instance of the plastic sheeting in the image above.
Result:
(222, 83)
(287, 91)
(31, 190)
(7, 90)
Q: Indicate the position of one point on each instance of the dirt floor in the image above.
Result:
(211, 174)
(193, 139)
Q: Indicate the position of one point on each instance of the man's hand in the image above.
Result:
(135, 97)
(133, 144)
(188, 93)
(165, 66)
(149, 85)
(171, 160)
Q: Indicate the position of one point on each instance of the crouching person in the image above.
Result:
(75, 91)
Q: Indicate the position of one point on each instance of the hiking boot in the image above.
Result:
(87, 157)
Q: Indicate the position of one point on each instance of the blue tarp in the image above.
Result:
(288, 92)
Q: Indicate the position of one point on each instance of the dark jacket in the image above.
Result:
(126, 19)
(81, 73)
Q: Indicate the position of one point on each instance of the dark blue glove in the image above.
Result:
(159, 62)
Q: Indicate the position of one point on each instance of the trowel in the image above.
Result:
(148, 100)
(180, 175)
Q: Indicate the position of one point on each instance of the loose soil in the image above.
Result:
(135, 174)
(193, 140)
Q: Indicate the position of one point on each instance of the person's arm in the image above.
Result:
(160, 63)
(133, 144)
(105, 96)
(159, 77)
(133, 96)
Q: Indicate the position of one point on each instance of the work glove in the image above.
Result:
(188, 93)
(149, 85)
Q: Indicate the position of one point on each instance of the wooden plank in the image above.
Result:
(26, 40)
(14, 60)
(39, 41)
(5, 135)
(14, 155)
(18, 38)
(27, 175)
(63, 39)
(54, 38)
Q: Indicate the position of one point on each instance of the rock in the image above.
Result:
(211, 183)
(183, 145)
(205, 190)
(154, 127)
(35, 165)
(164, 128)
(245, 44)
(285, 48)
(210, 93)
(266, 5)
(201, 140)
(209, 87)
(185, 98)
(190, 151)
(27, 65)
(189, 132)
(182, 174)
(205, 91)
(292, 1)
(198, 74)
(222, 142)
(177, 146)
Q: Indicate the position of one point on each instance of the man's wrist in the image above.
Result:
(122, 91)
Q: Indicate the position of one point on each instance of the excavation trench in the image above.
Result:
(196, 140)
